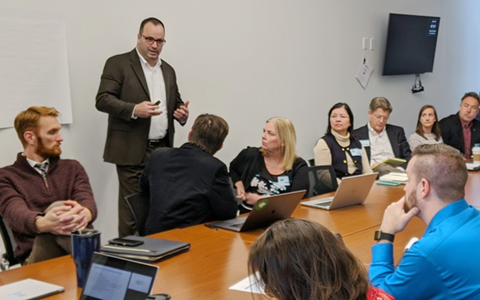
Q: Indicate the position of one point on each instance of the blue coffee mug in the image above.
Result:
(84, 243)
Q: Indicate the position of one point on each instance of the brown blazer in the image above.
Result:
(122, 86)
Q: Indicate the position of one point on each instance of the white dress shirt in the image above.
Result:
(156, 89)
(380, 146)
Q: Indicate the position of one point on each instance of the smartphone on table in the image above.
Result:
(125, 242)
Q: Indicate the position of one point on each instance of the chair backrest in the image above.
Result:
(322, 180)
(8, 242)
(139, 205)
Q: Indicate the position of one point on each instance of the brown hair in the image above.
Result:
(209, 132)
(286, 135)
(436, 127)
(28, 120)
(444, 168)
(380, 102)
(302, 260)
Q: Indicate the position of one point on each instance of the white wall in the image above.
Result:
(250, 60)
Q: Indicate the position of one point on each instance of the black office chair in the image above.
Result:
(322, 179)
(8, 258)
(139, 206)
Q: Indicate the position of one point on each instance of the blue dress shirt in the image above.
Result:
(444, 264)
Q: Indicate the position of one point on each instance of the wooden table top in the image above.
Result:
(218, 258)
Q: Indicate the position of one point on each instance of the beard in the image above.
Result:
(410, 201)
(43, 151)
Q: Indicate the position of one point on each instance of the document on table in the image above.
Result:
(249, 284)
(474, 166)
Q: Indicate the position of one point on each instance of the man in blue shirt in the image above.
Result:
(444, 263)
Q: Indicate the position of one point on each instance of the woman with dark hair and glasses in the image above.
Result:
(339, 148)
(428, 129)
(297, 259)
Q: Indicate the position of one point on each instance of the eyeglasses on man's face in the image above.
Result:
(150, 40)
(379, 117)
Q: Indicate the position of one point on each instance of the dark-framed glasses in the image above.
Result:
(150, 40)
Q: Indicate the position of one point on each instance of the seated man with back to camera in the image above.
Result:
(44, 198)
(382, 140)
(187, 185)
(444, 263)
(462, 130)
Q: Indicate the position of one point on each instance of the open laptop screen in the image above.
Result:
(116, 278)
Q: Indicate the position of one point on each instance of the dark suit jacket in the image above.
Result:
(186, 186)
(122, 86)
(452, 133)
(397, 138)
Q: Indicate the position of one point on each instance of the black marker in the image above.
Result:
(157, 103)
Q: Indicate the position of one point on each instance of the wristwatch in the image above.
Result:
(379, 235)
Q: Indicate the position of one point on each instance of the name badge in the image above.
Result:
(356, 151)
(283, 180)
(365, 143)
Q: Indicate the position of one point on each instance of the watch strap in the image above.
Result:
(379, 235)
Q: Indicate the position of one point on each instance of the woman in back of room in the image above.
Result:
(271, 169)
(428, 129)
(339, 148)
(297, 259)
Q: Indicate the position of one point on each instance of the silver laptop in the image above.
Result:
(111, 277)
(28, 289)
(267, 210)
(351, 191)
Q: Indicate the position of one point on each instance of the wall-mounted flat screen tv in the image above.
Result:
(411, 44)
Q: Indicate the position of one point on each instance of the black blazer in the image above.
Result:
(122, 86)
(452, 133)
(397, 138)
(186, 186)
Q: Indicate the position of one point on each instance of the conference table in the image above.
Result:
(218, 258)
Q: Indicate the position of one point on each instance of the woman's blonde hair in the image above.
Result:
(288, 139)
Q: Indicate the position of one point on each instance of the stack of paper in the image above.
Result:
(395, 177)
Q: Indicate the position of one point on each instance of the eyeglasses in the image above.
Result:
(150, 40)
(339, 116)
(473, 107)
(378, 117)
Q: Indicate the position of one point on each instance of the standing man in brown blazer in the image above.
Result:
(140, 94)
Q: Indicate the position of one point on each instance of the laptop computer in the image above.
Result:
(111, 277)
(351, 191)
(267, 210)
(29, 289)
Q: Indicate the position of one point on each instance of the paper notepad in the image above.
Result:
(393, 161)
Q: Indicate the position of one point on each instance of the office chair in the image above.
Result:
(322, 179)
(8, 258)
(139, 206)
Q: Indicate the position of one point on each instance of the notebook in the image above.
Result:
(267, 210)
(152, 250)
(111, 277)
(351, 191)
(28, 289)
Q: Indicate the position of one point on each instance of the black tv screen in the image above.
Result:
(411, 44)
